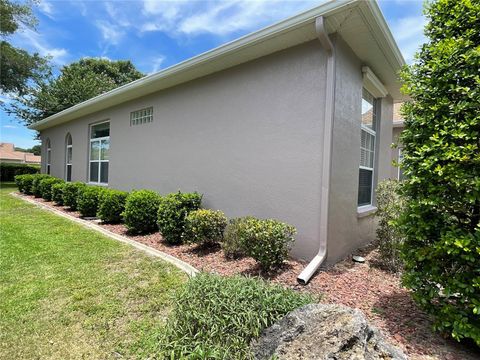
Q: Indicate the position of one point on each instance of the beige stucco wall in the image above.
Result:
(249, 138)
(395, 151)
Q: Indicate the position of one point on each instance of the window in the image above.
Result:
(367, 149)
(99, 147)
(142, 116)
(68, 158)
(49, 156)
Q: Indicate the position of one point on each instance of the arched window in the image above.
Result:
(49, 155)
(68, 158)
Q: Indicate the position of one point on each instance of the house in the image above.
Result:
(268, 125)
(8, 154)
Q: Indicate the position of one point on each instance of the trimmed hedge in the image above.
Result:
(111, 205)
(205, 226)
(87, 200)
(232, 245)
(36, 190)
(71, 190)
(57, 193)
(22, 182)
(140, 212)
(172, 212)
(9, 171)
(45, 186)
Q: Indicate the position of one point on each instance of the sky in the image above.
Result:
(156, 34)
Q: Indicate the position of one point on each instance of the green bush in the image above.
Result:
(57, 193)
(111, 205)
(9, 171)
(87, 200)
(390, 206)
(172, 213)
(19, 181)
(27, 182)
(140, 212)
(267, 241)
(441, 223)
(71, 191)
(216, 317)
(232, 239)
(205, 227)
(45, 186)
(36, 190)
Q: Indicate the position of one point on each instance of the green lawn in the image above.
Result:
(67, 292)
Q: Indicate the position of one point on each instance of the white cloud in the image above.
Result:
(111, 33)
(9, 126)
(408, 32)
(157, 63)
(46, 7)
(37, 43)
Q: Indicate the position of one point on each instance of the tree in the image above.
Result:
(17, 66)
(77, 82)
(442, 166)
(35, 149)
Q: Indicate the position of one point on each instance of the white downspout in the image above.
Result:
(313, 266)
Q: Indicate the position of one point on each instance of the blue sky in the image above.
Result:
(155, 34)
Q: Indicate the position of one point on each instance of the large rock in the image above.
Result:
(329, 332)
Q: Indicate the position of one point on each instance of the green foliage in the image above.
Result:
(390, 205)
(87, 200)
(267, 241)
(45, 186)
(57, 193)
(216, 317)
(36, 190)
(205, 226)
(232, 240)
(141, 211)
(111, 205)
(442, 166)
(71, 192)
(172, 213)
(27, 182)
(9, 171)
(77, 82)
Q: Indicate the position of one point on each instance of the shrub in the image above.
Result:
(57, 193)
(217, 317)
(19, 181)
(27, 182)
(172, 213)
(205, 226)
(71, 191)
(9, 171)
(87, 200)
(45, 186)
(390, 205)
(267, 241)
(140, 212)
(441, 223)
(111, 205)
(232, 240)
(36, 190)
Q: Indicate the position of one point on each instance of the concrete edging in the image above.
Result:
(182, 265)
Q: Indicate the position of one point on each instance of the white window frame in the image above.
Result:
(97, 161)
(49, 157)
(137, 118)
(67, 164)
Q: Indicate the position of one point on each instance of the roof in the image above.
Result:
(397, 116)
(360, 23)
(8, 152)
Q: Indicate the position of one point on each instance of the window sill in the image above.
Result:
(97, 184)
(367, 210)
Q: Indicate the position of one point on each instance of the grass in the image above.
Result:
(70, 292)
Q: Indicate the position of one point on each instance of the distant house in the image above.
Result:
(8, 154)
(291, 122)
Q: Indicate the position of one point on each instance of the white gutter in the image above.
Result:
(313, 266)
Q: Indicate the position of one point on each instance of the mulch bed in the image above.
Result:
(364, 286)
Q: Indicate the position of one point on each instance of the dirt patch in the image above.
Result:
(376, 292)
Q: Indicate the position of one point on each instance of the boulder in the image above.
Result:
(320, 331)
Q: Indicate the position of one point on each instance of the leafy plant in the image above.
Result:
(216, 317)
(87, 200)
(172, 212)
(232, 240)
(111, 205)
(35, 188)
(26, 183)
(441, 148)
(45, 186)
(71, 191)
(57, 193)
(205, 227)
(390, 205)
(19, 181)
(140, 212)
(9, 171)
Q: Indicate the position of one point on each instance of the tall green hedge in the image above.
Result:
(8, 171)
(441, 150)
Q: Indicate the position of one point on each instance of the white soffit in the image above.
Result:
(373, 84)
(354, 20)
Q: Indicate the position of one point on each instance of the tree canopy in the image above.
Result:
(441, 149)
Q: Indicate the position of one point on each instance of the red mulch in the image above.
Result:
(364, 286)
